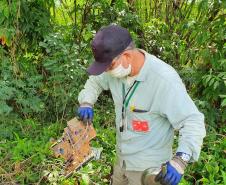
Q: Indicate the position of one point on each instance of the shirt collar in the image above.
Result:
(142, 75)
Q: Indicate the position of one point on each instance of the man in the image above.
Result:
(150, 103)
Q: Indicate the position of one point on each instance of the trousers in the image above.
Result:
(121, 176)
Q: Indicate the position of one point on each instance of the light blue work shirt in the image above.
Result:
(162, 94)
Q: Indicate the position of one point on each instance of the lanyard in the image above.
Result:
(126, 100)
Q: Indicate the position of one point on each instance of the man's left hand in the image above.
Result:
(171, 172)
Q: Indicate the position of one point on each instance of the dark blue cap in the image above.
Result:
(108, 43)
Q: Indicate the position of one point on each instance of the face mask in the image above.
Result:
(120, 71)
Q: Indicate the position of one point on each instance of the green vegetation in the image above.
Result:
(44, 51)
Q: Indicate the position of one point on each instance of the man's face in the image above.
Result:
(120, 66)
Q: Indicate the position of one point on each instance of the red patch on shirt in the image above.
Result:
(140, 126)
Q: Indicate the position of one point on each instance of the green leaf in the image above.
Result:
(207, 78)
(223, 104)
(216, 84)
(43, 44)
(204, 180)
(4, 108)
(6, 92)
(224, 176)
(2, 18)
(6, 12)
(211, 81)
(85, 179)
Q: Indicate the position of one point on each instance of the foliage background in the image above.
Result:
(44, 51)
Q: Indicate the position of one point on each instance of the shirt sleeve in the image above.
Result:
(184, 116)
(92, 89)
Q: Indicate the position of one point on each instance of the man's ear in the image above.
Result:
(128, 54)
(126, 59)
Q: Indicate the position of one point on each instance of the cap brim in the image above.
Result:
(97, 68)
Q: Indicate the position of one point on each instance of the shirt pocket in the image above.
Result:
(142, 122)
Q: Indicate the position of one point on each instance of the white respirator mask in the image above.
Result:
(120, 71)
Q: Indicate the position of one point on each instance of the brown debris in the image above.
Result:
(73, 146)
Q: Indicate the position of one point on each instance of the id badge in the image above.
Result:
(140, 126)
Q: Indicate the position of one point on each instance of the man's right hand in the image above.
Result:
(85, 113)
